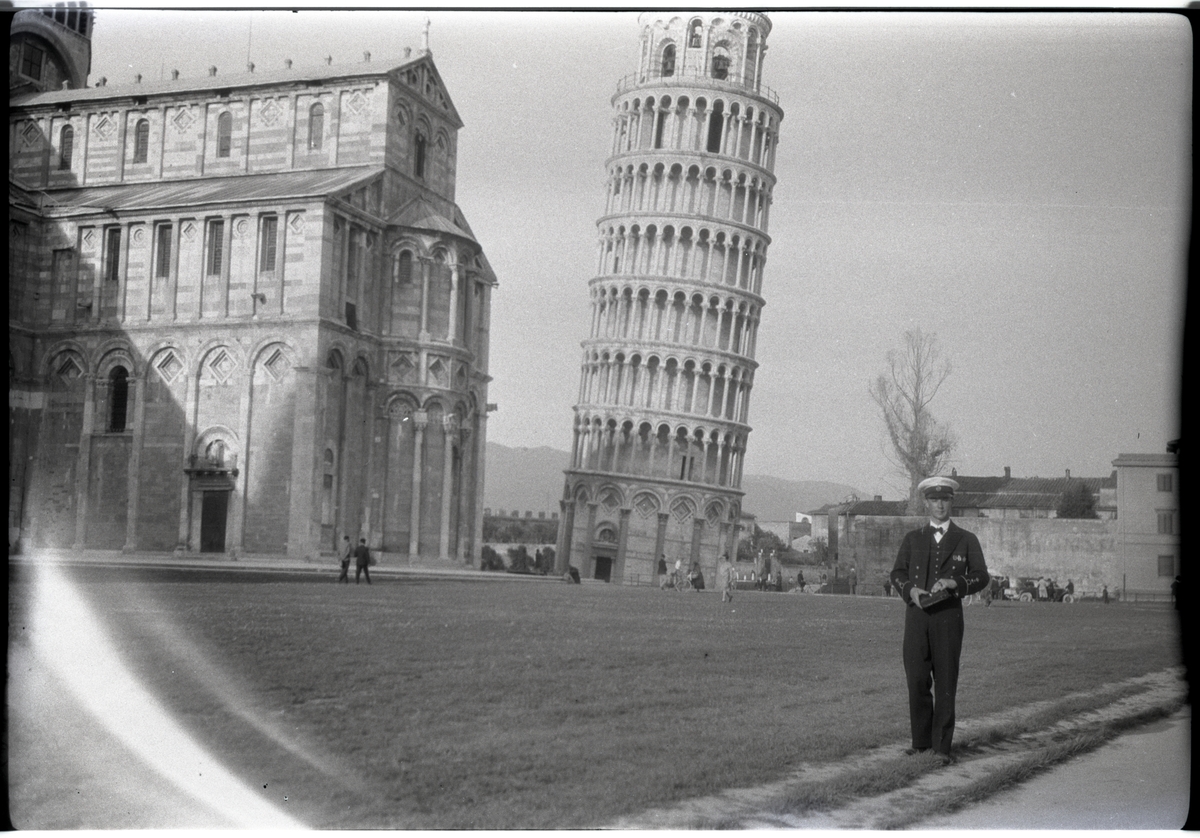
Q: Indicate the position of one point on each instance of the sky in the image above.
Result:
(1017, 184)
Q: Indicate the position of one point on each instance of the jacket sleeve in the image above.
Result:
(900, 571)
(975, 578)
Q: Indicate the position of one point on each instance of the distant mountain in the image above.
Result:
(531, 479)
(776, 499)
(525, 479)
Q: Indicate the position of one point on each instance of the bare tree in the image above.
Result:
(921, 446)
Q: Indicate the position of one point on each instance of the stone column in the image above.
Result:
(452, 328)
(191, 387)
(480, 468)
(424, 335)
(85, 457)
(371, 493)
(226, 261)
(587, 570)
(420, 421)
(449, 423)
(562, 553)
(138, 393)
(622, 537)
(465, 501)
(660, 540)
(697, 530)
(301, 543)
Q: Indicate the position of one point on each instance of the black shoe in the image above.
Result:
(947, 759)
(912, 752)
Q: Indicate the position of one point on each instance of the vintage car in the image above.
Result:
(1026, 590)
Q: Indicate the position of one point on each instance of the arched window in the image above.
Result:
(224, 134)
(141, 141)
(694, 34)
(419, 154)
(404, 266)
(715, 124)
(720, 66)
(316, 127)
(118, 401)
(668, 60)
(66, 146)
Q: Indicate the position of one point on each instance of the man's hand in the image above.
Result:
(915, 595)
(943, 584)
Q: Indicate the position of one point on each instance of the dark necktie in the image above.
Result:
(936, 531)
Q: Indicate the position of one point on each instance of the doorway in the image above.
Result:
(213, 515)
(603, 568)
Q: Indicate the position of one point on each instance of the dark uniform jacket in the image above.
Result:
(362, 556)
(961, 559)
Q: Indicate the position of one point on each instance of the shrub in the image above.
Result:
(489, 559)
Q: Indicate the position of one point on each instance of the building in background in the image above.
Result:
(246, 315)
(1148, 524)
(662, 420)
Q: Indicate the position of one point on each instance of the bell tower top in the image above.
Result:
(726, 46)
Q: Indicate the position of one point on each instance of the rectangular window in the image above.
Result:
(31, 61)
(1166, 483)
(353, 259)
(270, 239)
(216, 245)
(1166, 566)
(112, 254)
(162, 251)
(352, 316)
(67, 147)
(1166, 522)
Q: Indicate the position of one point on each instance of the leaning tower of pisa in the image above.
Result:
(663, 413)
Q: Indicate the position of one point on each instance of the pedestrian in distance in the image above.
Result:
(362, 561)
(347, 555)
(936, 566)
(1104, 595)
(800, 581)
(853, 581)
(663, 579)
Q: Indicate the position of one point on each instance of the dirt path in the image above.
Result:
(990, 759)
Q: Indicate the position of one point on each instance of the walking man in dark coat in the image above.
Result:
(362, 561)
(937, 565)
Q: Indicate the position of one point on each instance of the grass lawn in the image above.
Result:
(479, 704)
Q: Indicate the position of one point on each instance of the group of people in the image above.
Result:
(360, 555)
(675, 578)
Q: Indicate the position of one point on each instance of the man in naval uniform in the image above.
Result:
(938, 564)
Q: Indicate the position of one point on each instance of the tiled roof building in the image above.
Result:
(246, 314)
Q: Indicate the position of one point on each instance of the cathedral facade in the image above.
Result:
(661, 423)
(246, 315)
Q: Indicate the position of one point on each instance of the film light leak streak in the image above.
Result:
(72, 644)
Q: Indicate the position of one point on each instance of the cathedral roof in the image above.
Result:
(421, 214)
(278, 186)
(410, 72)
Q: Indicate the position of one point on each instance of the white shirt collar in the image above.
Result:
(945, 526)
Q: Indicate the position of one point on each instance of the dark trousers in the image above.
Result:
(932, 645)
(345, 577)
(359, 570)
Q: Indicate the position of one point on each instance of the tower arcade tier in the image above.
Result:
(662, 417)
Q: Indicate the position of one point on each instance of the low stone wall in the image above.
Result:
(1083, 551)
